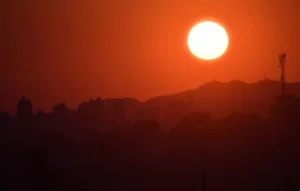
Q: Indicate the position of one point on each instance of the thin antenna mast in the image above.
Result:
(282, 57)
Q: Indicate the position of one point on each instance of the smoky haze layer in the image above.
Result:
(93, 148)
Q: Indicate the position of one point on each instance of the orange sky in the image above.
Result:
(72, 50)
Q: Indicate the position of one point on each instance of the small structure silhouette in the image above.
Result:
(91, 113)
(24, 108)
(60, 111)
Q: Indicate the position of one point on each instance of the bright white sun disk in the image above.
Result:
(207, 40)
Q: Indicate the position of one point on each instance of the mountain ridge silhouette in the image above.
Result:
(215, 97)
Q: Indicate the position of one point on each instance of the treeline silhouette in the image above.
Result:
(87, 149)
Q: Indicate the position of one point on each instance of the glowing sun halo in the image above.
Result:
(207, 40)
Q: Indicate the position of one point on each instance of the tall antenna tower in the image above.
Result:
(282, 57)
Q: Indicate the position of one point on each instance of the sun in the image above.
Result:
(207, 40)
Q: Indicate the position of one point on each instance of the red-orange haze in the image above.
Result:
(72, 50)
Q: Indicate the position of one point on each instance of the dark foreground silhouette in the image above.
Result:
(87, 149)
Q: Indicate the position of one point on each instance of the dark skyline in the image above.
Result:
(109, 95)
(70, 51)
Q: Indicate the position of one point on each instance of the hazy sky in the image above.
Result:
(73, 50)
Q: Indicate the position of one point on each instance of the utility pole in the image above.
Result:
(282, 57)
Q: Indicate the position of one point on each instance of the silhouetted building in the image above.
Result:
(40, 112)
(60, 111)
(24, 110)
(91, 113)
(43, 118)
(93, 106)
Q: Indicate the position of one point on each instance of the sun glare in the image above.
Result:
(207, 40)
